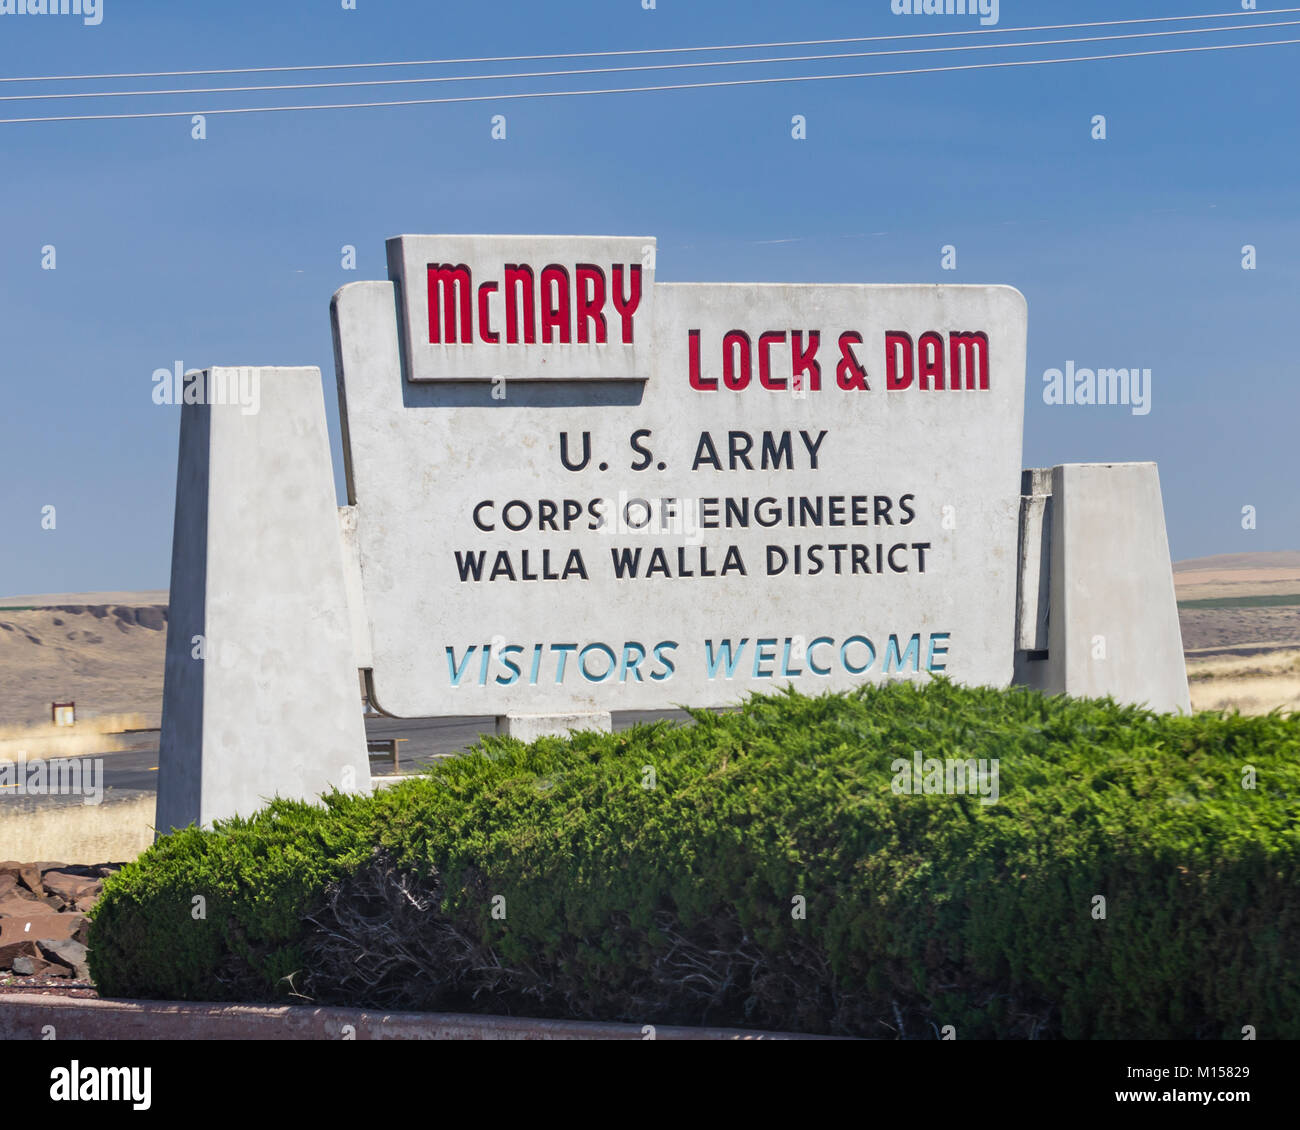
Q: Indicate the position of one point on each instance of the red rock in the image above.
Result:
(8, 883)
(36, 967)
(17, 949)
(30, 877)
(66, 952)
(42, 923)
(18, 902)
(70, 887)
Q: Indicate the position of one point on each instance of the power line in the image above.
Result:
(651, 67)
(650, 89)
(654, 50)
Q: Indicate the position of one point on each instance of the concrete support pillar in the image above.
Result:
(261, 696)
(1095, 553)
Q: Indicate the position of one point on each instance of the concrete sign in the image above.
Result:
(578, 489)
(574, 489)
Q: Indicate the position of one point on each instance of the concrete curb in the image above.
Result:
(24, 1016)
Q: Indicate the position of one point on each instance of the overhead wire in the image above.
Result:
(721, 83)
(1248, 14)
(568, 72)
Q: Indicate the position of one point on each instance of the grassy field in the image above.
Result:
(1253, 684)
(1281, 600)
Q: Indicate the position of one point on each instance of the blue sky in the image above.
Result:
(226, 251)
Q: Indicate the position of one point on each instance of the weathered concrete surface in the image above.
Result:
(1034, 591)
(1113, 624)
(356, 596)
(530, 727)
(23, 1016)
(261, 696)
(422, 454)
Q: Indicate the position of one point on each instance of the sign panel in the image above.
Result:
(814, 486)
(483, 308)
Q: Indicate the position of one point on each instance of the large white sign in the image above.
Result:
(708, 490)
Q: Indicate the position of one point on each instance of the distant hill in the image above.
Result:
(103, 651)
(1238, 575)
(62, 599)
(1285, 560)
(1233, 602)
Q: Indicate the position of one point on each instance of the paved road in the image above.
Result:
(131, 772)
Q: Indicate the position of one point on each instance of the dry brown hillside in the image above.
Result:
(1240, 600)
(102, 650)
(1278, 559)
(1238, 574)
(1240, 615)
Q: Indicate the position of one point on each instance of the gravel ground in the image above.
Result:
(47, 986)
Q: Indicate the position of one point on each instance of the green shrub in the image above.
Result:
(677, 903)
